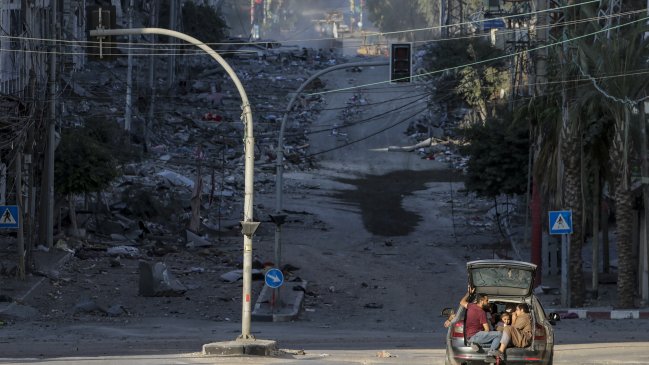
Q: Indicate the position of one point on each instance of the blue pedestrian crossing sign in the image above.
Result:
(560, 222)
(274, 278)
(9, 216)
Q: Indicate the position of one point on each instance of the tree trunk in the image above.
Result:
(624, 217)
(195, 223)
(537, 232)
(73, 216)
(570, 151)
(606, 261)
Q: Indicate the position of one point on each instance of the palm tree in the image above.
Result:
(618, 56)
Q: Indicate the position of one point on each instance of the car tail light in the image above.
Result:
(458, 330)
(539, 333)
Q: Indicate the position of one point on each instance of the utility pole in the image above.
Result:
(3, 181)
(20, 218)
(153, 22)
(173, 20)
(49, 211)
(129, 74)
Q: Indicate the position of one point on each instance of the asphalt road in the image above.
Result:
(164, 341)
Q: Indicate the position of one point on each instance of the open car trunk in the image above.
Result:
(502, 277)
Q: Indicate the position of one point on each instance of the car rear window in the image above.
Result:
(503, 277)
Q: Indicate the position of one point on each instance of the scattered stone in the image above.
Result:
(156, 280)
(384, 354)
(116, 310)
(194, 240)
(88, 306)
(118, 237)
(232, 276)
(123, 251)
(374, 305)
(116, 261)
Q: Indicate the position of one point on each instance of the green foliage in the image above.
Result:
(203, 23)
(397, 15)
(498, 157)
(392, 15)
(112, 137)
(477, 84)
(82, 163)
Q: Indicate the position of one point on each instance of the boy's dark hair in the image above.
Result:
(524, 307)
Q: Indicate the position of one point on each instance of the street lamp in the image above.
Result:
(248, 225)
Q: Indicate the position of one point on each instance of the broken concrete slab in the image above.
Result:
(194, 240)
(156, 280)
(176, 179)
(123, 251)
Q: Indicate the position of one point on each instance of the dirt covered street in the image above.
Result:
(380, 237)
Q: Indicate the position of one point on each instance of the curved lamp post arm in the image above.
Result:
(279, 178)
(248, 225)
(289, 107)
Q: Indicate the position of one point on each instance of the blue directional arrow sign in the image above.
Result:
(560, 222)
(274, 278)
(9, 216)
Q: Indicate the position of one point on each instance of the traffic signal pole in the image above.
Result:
(248, 225)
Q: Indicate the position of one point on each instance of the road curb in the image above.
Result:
(601, 313)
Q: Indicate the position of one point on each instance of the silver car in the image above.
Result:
(504, 282)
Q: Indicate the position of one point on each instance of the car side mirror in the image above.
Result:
(554, 318)
(447, 312)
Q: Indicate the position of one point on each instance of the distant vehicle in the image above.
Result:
(260, 48)
(504, 282)
(373, 44)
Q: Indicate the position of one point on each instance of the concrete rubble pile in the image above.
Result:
(195, 137)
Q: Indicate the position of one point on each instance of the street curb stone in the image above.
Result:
(604, 313)
(241, 347)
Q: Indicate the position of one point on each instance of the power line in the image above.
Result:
(153, 44)
(369, 135)
(484, 61)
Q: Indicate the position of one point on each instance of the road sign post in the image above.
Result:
(560, 223)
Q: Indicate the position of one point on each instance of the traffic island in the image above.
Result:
(283, 309)
(241, 347)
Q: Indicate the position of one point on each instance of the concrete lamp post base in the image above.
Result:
(241, 347)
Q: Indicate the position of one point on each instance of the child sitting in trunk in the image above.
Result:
(505, 320)
(519, 334)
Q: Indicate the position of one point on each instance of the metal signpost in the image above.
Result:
(561, 223)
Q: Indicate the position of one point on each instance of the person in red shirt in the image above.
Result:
(476, 327)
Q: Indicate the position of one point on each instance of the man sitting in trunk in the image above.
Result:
(476, 327)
